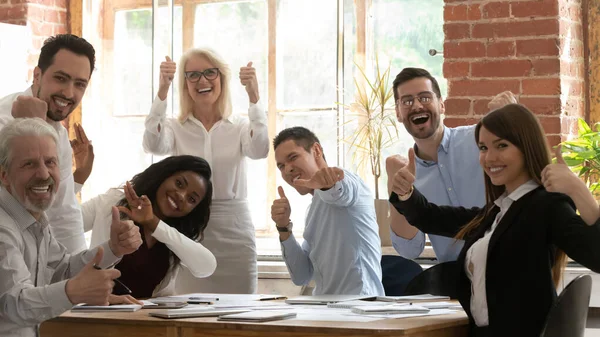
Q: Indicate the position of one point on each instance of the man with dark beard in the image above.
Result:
(64, 69)
(447, 160)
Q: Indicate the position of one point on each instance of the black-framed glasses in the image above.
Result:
(195, 76)
(425, 98)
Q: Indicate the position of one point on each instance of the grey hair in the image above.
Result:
(19, 127)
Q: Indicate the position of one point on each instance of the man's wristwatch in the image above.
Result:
(285, 229)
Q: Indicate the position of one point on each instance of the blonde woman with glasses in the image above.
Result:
(206, 129)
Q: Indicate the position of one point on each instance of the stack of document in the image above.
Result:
(412, 298)
(390, 309)
(115, 307)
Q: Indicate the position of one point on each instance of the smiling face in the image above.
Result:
(293, 161)
(179, 194)
(204, 91)
(422, 118)
(502, 161)
(63, 84)
(33, 175)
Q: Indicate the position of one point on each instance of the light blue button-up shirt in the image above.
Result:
(341, 249)
(456, 179)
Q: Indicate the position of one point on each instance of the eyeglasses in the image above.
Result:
(195, 76)
(406, 102)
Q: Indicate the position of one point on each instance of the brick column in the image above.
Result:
(44, 17)
(532, 48)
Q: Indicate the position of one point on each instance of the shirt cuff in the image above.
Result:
(57, 294)
(77, 187)
(332, 194)
(109, 259)
(291, 240)
(160, 232)
(256, 112)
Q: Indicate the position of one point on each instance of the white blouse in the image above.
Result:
(97, 217)
(224, 146)
(476, 258)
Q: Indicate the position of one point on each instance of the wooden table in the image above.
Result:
(139, 323)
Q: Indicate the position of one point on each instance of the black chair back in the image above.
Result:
(440, 279)
(568, 315)
(397, 273)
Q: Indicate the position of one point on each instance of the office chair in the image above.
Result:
(439, 279)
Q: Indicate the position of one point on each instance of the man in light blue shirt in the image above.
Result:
(341, 249)
(447, 170)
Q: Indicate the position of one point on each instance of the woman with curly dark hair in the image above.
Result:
(170, 202)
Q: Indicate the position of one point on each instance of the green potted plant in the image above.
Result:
(582, 155)
(376, 130)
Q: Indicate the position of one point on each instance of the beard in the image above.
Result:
(38, 206)
(53, 115)
(416, 131)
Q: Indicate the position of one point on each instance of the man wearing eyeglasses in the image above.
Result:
(447, 160)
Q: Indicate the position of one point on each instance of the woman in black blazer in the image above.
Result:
(514, 251)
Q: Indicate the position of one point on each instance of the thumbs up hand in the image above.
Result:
(405, 177)
(90, 285)
(248, 80)
(559, 178)
(167, 74)
(125, 236)
(280, 210)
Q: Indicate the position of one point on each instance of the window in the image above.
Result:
(305, 53)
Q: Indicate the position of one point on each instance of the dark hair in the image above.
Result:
(300, 135)
(408, 74)
(516, 124)
(70, 42)
(148, 182)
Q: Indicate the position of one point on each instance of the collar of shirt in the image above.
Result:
(194, 120)
(20, 214)
(504, 201)
(444, 146)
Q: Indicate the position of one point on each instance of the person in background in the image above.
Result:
(170, 203)
(341, 249)
(60, 79)
(515, 245)
(206, 129)
(39, 279)
(447, 167)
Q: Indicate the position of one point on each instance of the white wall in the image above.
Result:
(15, 43)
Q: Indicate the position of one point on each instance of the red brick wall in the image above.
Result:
(533, 48)
(44, 17)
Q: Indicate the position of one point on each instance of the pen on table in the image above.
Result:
(272, 298)
(116, 281)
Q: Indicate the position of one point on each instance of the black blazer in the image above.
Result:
(521, 253)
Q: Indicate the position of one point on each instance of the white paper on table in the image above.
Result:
(322, 313)
(432, 312)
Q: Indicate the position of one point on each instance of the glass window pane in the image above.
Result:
(132, 62)
(406, 30)
(237, 31)
(306, 53)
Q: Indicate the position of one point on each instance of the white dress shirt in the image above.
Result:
(97, 217)
(34, 269)
(476, 259)
(65, 214)
(224, 146)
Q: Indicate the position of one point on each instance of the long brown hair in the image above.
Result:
(516, 124)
